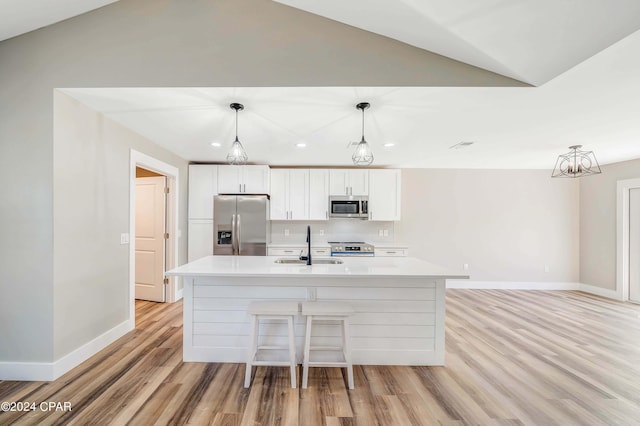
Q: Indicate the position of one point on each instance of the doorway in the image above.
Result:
(628, 250)
(153, 225)
(151, 234)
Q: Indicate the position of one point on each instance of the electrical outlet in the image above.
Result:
(124, 239)
(322, 232)
(380, 233)
(386, 232)
(546, 268)
(465, 266)
(286, 232)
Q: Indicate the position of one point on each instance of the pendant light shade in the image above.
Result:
(237, 155)
(363, 155)
(576, 163)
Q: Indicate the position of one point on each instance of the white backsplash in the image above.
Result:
(334, 230)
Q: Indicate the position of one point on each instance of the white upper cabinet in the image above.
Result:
(349, 181)
(318, 194)
(243, 179)
(202, 188)
(384, 194)
(289, 194)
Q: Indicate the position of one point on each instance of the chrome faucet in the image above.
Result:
(308, 256)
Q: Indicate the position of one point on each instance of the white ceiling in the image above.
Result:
(21, 16)
(529, 40)
(595, 104)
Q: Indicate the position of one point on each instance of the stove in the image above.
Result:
(351, 248)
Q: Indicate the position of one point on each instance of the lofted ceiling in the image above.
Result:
(595, 104)
(530, 40)
(21, 16)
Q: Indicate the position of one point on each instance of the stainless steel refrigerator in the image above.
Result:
(241, 225)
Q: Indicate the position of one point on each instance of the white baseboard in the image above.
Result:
(512, 285)
(599, 291)
(48, 371)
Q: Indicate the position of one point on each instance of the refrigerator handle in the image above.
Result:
(239, 227)
(233, 234)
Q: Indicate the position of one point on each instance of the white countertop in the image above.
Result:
(264, 266)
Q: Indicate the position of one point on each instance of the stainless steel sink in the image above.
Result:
(290, 261)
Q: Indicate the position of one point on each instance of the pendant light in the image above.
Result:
(576, 163)
(237, 154)
(363, 155)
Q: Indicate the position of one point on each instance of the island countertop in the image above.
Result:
(265, 266)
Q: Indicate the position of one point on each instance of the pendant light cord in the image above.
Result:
(236, 124)
(362, 123)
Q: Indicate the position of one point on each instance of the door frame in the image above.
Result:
(139, 159)
(622, 270)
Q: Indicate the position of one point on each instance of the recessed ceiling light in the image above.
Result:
(216, 144)
(301, 145)
(389, 144)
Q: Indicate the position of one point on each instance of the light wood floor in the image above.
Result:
(513, 357)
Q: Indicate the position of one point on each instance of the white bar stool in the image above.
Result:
(330, 311)
(274, 310)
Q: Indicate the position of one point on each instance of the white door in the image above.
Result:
(255, 179)
(318, 194)
(359, 182)
(200, 239)
(279, 204)
(384, 194)
(149, 241)
(299, 194)
(338, 181)
(634, 245)
(229, 179)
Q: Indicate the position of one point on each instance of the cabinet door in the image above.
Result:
(299, 194)
(359, 182)
(318, 194)
(279, 205)
(384, 194)
(199, 239)
(338, 181)
(203, 186)
(229, 179)
(255, 179)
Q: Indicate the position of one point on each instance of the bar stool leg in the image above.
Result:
(307, 349)
(253, 348)
(347, 350)
(292, 353)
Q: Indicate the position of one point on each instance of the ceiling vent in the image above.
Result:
(461, 145)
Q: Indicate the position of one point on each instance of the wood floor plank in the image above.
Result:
(513, 358)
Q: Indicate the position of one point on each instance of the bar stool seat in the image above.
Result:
(327, 311)
(271, 310)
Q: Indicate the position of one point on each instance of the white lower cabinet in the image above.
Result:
(200, 239)
(392, 251)
(296, 250)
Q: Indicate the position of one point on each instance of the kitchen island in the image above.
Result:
(399, 306)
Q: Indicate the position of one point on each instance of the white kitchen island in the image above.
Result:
(399, 306)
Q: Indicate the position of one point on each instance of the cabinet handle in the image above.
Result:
(326, 214)
(288, 251)
(239, 187)
(244, 187)
(391, 252)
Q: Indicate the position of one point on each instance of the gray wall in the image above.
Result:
(90, 211)
(598, 223)
(505, 224)
(156, 43)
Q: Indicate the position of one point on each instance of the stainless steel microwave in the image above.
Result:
(349, 206)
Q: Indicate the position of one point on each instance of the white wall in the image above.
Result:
(90, 211)
(505, 224)
(598, 223)
(151, 43)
